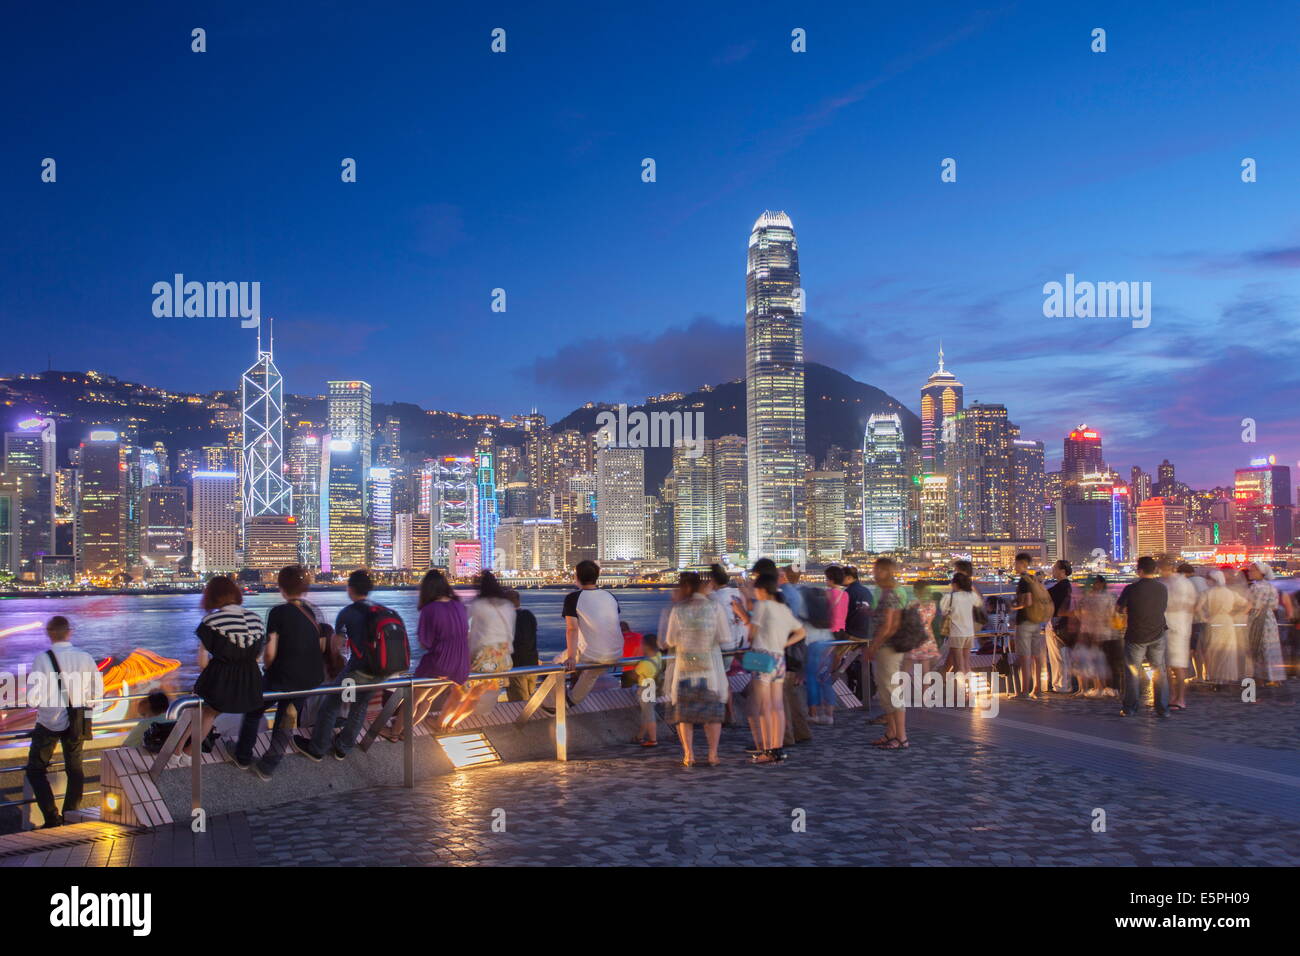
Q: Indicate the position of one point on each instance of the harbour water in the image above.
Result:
(165, 623)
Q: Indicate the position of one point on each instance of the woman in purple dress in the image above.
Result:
(443, 632)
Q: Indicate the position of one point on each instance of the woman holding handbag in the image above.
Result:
(772, 629)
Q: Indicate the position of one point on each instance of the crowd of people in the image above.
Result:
(788, 633)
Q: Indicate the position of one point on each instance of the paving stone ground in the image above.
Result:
(1218, 784)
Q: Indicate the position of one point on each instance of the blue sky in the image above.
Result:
(522, 171)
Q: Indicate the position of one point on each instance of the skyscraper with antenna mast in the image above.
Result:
(265, 490)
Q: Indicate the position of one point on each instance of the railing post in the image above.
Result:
(561, 725)
(196, 757)
(408, 735)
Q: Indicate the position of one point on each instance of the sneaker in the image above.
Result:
(52, 822)
(261, 774)
(241, 764)
(303, 746)
(336, 753)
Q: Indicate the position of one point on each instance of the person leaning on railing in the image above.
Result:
(231, 638)
(64, 679)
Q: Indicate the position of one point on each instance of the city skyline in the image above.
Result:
(426, 234)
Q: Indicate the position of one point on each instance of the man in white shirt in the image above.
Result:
(592, 632)
(62, 679)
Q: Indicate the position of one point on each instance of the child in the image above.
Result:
(649, 681)
(151, 710)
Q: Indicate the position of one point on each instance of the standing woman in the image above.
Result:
(231, 638)
(838, 599)
(772, 629)
(443, 632)
(1097, 654)
(1179, 615)
(958, 608)
(1219, 607)
(1265, 645)
(491, 636)
(887, 616)
(293, 660)
(697, 631)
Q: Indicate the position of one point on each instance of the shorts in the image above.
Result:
(1030, 640)
(958, 642)
(888, 663)
(776, 674)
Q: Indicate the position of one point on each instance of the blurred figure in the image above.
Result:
(1200, 585)
(797, 729)
(491, 637)
(1219, 607)
(1063, 635)
(1178, 620)
(1031, 643)
(150, 710)
(1099, 657)
(922, 658)
(631, 648)
(697, 631)
(524, 650)
(888, 616)
(958, 609)
(649, 679)
(722, 592)
(1264, 643)
(838, 598)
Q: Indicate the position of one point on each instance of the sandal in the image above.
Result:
(649, 743)
(882, 742)
(896, 744)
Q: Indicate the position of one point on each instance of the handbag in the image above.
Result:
(79, 726)
(332, 654)
(758, 662)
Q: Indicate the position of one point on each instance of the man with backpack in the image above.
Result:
(378, 648)
(1033, 607)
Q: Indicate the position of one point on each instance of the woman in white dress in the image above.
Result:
(1265, 646)
(697, 631)
(1179, 614)
(1219, 606)
(958, 610)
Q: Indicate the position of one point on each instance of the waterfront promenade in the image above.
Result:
(1218, 784)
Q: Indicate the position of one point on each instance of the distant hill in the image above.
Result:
(837, 408)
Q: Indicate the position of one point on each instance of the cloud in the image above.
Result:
(680, 358)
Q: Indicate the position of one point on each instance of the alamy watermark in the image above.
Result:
(208, 300)
(1101, 300)
(624, 429)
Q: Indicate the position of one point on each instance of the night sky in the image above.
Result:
(522, 171)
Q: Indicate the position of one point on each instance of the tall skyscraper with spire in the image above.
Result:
(265, 489)
(942, 397)
(774, 391)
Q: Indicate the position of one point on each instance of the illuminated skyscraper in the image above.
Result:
(620, 503)
(693, 490)
(1027, 493)
(826, 531)
(487, 516)
(1082, 456)
(216, 521)
(979, 462)
(774, 391)
(1262, 504)
(380, 494)
(934, 511)
(343, 535)
(1140, 483)
(265, 490)
(453, 506)
(303, 468)
(886, 485)
(102, 499)
(1161, 527)
(349, 420)
(162, 528)
(942, 396)
(730, 499)
(29, 460)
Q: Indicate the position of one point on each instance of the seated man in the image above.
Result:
(592, 634)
